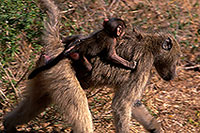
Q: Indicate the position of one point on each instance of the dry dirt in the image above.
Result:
(176, 104)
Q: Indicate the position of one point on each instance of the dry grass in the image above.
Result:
(176, 105)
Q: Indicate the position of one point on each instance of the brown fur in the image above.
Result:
(59, 84)
(129, 85)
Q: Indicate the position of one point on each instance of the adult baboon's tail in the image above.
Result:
(51, 35)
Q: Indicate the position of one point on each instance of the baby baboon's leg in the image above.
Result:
(142, 115)
(25, 111)
(72, 101)
(122, 113)
(69, 39)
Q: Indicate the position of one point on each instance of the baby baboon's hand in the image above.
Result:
(133, 65)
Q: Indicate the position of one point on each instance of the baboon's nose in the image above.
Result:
(168, 77)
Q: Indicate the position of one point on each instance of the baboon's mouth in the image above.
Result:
(168, 77)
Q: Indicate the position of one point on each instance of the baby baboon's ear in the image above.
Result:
(167, 44)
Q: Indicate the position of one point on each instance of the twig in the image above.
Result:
(16, 91)
(95, 93)
(3, 95)
(154, 94)
(170, 82)
(22, 78)
(11, 73)
(105, 106)
(124, 1)
(116, 2)
(85, 8)
(103, 7)
(15, 53)
(68, 11)
(191, 67)
(112, 3)
(5, 98)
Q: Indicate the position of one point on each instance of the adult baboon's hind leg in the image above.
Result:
(25, 111)
(71, 100)
(142, 115)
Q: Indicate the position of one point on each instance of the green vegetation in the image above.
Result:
(18, 19)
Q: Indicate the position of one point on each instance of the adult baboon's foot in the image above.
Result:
(142, 115)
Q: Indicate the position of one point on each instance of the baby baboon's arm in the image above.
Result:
(112, 55)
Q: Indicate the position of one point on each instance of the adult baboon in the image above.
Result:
(148, 49)
(60, 86)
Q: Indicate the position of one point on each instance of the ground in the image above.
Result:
(175, 104)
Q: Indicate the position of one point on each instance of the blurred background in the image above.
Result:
(176, 105)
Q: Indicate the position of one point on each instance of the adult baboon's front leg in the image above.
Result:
(122, 113)
(142, 115)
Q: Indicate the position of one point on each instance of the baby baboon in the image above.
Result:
(60, 86)
(91, 46)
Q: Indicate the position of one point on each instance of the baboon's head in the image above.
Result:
(167, 54)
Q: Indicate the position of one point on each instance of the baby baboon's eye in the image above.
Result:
(167, 44)
(119, 30)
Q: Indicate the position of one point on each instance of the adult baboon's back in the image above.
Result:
(59, 84)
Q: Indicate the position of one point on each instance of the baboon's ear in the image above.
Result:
(167, 44)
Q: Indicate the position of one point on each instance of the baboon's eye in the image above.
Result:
(167, 44)
(119, 30)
